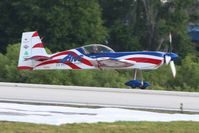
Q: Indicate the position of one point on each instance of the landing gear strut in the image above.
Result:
(137, 83)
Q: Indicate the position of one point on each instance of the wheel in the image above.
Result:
(142, 87)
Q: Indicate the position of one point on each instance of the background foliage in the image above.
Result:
(124, 25)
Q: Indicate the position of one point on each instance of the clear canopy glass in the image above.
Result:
(96, 48)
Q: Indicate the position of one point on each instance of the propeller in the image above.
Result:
(170, 57)
(170, 42)
(167, 59)
(173, 68)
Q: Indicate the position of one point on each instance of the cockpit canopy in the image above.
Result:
(96, 48)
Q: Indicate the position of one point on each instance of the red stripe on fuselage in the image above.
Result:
(146, 60)
(61, 53)
(48, 62)
(83, 60)
(73, 66)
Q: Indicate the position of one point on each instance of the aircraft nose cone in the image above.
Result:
(173, 56)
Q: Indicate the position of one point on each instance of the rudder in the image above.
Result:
(31, 50)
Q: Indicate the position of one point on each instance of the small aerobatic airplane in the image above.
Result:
(94, 56)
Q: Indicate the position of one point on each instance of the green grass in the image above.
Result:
(117, 127)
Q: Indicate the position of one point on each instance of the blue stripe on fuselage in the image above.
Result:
(119, 54)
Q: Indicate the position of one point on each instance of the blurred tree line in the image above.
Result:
(63, 24)
(124, 25)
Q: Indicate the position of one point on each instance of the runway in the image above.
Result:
(100, 97)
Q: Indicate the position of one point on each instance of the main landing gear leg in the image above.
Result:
(134, 74)
(142, 86)
(137, 83)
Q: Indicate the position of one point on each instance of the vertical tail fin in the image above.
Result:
(31, 50)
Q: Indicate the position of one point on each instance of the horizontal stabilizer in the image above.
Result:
(38, 58)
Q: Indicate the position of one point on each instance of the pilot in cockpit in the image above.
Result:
(95, 50)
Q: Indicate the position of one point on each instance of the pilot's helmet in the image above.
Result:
(95, 49)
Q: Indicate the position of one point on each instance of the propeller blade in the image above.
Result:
(170, 38)
(167, 59)
(173, 68)
(170, 42)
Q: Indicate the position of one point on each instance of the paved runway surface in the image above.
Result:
(103, 97)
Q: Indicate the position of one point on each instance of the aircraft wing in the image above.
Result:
(113, 62)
